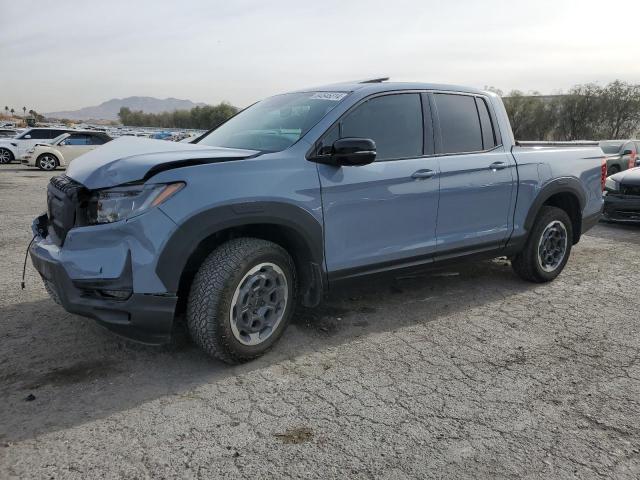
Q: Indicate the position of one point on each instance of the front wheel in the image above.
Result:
(548, 247)
(47, 162)
(6, 156)
(242, 299)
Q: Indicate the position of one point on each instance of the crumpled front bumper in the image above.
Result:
(622, 208)
(96, 280)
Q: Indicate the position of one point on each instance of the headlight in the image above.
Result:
(113, 204)
(31, 150)
(610, 185)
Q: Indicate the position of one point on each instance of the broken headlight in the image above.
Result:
(118, 203)
(610, 185)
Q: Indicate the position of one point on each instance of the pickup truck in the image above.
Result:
(297, 194)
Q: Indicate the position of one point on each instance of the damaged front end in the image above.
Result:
(87, 257)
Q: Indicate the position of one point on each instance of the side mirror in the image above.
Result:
(27, 136)
(627, 152)
(353, 152)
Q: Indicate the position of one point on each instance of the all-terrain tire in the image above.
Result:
(527, 263)
(212, 291)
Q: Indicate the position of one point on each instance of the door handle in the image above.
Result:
(498, 166)
(423, 174)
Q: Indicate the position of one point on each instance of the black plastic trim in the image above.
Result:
(557, 185)
(434, 259)
(185, 240)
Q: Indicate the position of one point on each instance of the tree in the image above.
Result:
(12, 111)
(620, 110)
(531, 115)
(6, 109)
(206, 117)
(24, 111)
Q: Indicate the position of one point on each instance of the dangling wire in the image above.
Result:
(24, 267)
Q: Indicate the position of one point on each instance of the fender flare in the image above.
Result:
(191, 233)
(559, 185)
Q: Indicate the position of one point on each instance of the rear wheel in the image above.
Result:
(548, 247)
(47, 162)
(6, 156)
(241, 299)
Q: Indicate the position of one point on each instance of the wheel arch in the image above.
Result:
(566, 194)
(289, 226)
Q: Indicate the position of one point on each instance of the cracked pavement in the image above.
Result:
(465, 372)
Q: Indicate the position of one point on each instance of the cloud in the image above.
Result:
(70, 54)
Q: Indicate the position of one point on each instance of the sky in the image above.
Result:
(67, 54)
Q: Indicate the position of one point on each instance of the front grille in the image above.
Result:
(64, 197)
(630, 190)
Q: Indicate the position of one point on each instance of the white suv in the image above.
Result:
(15, 148)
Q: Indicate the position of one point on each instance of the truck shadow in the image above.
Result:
(62, 370)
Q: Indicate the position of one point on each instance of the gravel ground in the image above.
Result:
(466, 372)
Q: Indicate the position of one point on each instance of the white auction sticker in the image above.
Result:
(332, 96)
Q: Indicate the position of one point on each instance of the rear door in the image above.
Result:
(477, 175)
(384, 213)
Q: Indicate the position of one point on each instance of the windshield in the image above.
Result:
(610, 147)
(275, 123)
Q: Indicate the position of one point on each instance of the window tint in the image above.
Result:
(459, 123)
(76, 139)
(38, 134)
(56, 133)
(488, 134)
(394, 122)
(96, 140)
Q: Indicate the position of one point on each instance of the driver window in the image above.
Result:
(394, 122)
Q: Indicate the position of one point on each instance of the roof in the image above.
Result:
(375, 85)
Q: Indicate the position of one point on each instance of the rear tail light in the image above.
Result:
(632, 159)
(603, 173)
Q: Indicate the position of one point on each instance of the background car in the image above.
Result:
(621, 154)
(8, 132)
(15, 148)
(63, 149)
(622, 197)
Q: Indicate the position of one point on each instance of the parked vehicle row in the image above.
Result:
(296, 194)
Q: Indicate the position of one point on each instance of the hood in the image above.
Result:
(130, 159)
(629, 177)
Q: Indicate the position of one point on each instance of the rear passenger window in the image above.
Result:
(76, 140)
(394, 122)
(459, 123)
(96, 140)
(488, 134)
(39, 134)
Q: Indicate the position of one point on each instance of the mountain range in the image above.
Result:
(109, 110)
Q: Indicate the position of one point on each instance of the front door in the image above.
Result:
(384, 213)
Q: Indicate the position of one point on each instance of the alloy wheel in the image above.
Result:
(47, 162)
(552, 246)
(258, 304)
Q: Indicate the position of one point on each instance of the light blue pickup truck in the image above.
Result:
(297, 193)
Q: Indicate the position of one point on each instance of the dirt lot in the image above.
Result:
(466, 372)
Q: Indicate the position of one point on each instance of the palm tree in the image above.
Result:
(12, 111)
(6, 109)
(24, 111)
